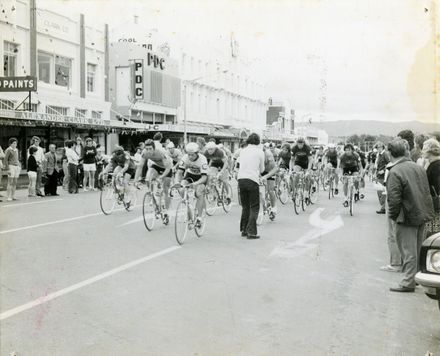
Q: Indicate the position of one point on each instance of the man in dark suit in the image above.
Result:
(51, 169)
(382, 159)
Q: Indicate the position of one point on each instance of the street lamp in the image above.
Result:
(185, 82)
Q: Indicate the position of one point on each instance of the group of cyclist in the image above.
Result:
(201, 162)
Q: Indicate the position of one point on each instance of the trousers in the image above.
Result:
(250, 204)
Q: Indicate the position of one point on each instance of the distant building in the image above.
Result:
(312, 134)
(280, 119)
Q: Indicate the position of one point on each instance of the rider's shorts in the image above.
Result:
(160, 170)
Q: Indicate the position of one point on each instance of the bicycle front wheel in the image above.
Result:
(182, 220)
(211, 201)
(296, 202)
(149, 211)
(107, 199)
(303, 199)
(351, 201)
(314, 192)
(226, 198)
(283, 193)
(200, 226)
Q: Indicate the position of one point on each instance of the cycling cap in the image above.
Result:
(170, 145)
(300, 140)
(348, 145)
(210, 145)
(192, 147)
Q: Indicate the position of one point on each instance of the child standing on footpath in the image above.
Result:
(32, 170)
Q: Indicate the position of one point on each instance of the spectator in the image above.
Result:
(417, 155)
(12, 166)
(32, 168)
(408, 190)
(51, 170)
(79, 149)
(408, 135)
(39, 157)
(100, 162)
(72, 159)
(137, 156)
(89, 156)
(382, 159)
(251, 166)
(65, 166)
(201, 142)
(431, 152)
(2, 156)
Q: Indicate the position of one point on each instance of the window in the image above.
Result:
(7, 105)
(63, 68)
(56, 110)
(10, 59)
(26, 107)
(81, 113)
(98, 114)
(44, 65)
(91, 77)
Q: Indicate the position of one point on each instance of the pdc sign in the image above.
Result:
(138, 79)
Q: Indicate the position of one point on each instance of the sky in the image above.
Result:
(332, 60)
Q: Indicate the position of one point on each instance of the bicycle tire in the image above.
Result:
(211, 201)
(107, 199)
(200, 230)
(303, 203)
(149, 211)
(330, 189)
(226, 200)
(283, 195)
(181, 222)
(296, 202)
(351, 201)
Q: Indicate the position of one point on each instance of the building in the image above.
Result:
(280, 122)
(68, 56)
(313, 135)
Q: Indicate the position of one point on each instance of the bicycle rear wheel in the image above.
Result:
(283, 194)
(107, 199)
(330, 188)
(149, 211)
(296, 202)
(181, 222)
(351, 200)
(302, 197)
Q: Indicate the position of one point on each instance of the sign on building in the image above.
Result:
(138, 79)
(27, 83)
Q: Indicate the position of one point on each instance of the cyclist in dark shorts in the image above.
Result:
(301, 160)
(331, 161)
(350, 163)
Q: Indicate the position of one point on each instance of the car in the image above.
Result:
(429, 275)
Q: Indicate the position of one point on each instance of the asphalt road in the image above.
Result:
(76, 282)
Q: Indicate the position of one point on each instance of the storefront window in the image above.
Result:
(63, 68)
(7, 105)
(56, 110)
(96, 114)
(10, 59)
(44, 65)
(91, 77)
(81, 113)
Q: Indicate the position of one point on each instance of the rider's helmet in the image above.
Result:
(192, 147)
(210, 145)
(170, 144)
(349, 145)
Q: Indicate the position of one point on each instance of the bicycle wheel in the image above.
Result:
(314, 192)
(200, 229)
(296, 202)
(107, 199)
(302, 197)
(283, 194)
(181, 222)
(330, 188)
(211, 201)
(129, 199)
(351, 200)
(226, 198)
(149, 211)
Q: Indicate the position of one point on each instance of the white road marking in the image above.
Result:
(57, 221)
(46, 298)
(35, 202)
(304, 243)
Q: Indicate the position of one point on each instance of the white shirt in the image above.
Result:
(72, 156)
(251, 163)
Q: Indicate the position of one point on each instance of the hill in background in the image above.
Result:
(351, 127)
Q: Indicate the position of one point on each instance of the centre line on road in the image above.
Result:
(46, 298)
(35, 202)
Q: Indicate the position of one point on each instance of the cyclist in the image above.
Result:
(284, 162)
(331, 162)
(363, 163)
(175, 155)
(193, 170)
(350, 163)
(301, 160)
(318, 157)
(121, 164)
(227, 153)
(270, 170)
(275, 151)
(159, 168)
(217, 163)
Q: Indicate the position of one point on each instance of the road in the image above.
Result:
(76, 282)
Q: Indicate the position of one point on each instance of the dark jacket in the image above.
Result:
(50, 164)
(382, 160)
(409, 199)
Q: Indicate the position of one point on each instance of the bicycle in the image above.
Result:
(282, 186)
(265, 205)
(331, 182)
(218, 193)
(298, 196)
(114, 192)
(153, 206)
(186, 218)
(353, 193)
(314, 187)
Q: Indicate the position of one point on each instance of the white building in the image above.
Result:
(68, 56)
(312, 134)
